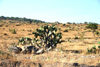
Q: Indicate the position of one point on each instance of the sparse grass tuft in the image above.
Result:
(13, 31)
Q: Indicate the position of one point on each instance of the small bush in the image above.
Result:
(92, 26)
(25, 40)
(13, 31)
(69, 23)
(1, 25)
(65, 30)
(5, 33)
(64, 24)
(92, 50)
(5, 55)
(97, 33)
(76, 37)
(85, 22)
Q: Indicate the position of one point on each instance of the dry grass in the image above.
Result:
(64, 51)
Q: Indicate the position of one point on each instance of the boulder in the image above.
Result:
(40, 51)
(15, 49)
(29, 49)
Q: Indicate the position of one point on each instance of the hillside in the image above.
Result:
(76, 38)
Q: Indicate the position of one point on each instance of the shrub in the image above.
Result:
(92, 26)
(65, 30)
(1, 25)
(47, 36)
(97, 33)
(99, 47)
(92, 50)
(85, 22)
(64, 24)
(69, 23)
(76, 37)
(5, 55)
(13, 31)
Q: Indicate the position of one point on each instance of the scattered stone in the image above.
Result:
(29, 49)
(76, 51)
(84, 65)
(40, 51)
(15, 49)
(75, 64)
(48, 49)
(98, 65)
(5, 33)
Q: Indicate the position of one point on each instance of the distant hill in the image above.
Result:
(21, 19)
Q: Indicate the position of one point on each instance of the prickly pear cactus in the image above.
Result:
(25, 40)
(47, 36)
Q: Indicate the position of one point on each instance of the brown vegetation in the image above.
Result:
(72, 49)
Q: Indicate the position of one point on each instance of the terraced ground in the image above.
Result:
(70, 52)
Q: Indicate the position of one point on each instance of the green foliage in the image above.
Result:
(13, 31)
(97, 33)
(25, 40)
(64, 24)
(69, 23)
(99, 42)
(92, 26)
(76, 37)
(2, 52)
(92, 50)
(47, 36)
(85, 22)
(99, 47)
(21, 19)
(94, 47)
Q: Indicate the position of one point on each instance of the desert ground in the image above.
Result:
(72, 50)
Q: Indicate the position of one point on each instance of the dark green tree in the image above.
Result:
(93, 27)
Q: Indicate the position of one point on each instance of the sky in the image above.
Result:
(53, 10)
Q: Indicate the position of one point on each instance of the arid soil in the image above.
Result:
(70, 52)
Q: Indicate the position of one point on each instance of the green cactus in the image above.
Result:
(25, 40)
(92, 50)
(48, 36)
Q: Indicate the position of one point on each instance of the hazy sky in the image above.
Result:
(53, 10)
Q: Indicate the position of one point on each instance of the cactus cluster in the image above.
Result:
(94, 50)
(44, 37)
(25, 40)
(47, 36)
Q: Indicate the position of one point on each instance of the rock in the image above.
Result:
(29, 49)
(84, 65)
(11, 63)
(98, 65)
(48, 49)
(75, 64)
(76, 51)
(15, 49)
(40, 51)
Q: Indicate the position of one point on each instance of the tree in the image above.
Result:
(93, 27)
